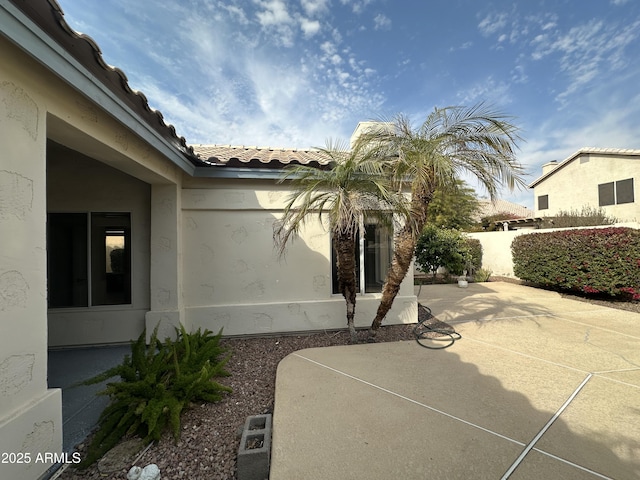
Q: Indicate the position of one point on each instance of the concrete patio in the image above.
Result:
(539, 386)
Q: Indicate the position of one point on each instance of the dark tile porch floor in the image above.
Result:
(81, 407)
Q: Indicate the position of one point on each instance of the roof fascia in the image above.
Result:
(26, 35)
(586, 151)
(562, 164)
(234, 172)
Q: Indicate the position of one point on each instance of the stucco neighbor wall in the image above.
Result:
(496, 247)
(575, 185)
(234, 280)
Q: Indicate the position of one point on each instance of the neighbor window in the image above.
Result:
(606, 194)
(89, 259)
(543, 202)
(374, 251)
(624, 191)
(616, 193)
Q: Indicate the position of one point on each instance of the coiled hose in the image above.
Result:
(423, 332)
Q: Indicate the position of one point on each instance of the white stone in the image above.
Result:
(150, 472)
(134, 473)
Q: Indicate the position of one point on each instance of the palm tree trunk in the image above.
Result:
(345, 248)
(404, 246)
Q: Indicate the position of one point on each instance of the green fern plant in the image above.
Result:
(158, 382)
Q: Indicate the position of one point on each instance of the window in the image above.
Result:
(624, 191)
(374, 251)
(606, 194)
(616, 193)
(543, 202)
(89, 259)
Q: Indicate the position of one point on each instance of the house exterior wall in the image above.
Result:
(35, 106)
(575, 185)
(30, 414)
(234, 280)
(76, 183)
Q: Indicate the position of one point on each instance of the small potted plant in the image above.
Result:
(462, 280)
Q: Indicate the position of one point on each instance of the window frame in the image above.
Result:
(609, 193)
(543, 200)
(97, 226)
(362, 267)
(628, 195)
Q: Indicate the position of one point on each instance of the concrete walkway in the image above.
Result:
(538, 387)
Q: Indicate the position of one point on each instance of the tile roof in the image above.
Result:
(262, 157)
(587, 151)
(48, 15)
(489, 208)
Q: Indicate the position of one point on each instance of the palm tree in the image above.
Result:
(451, 141)
(354, 185)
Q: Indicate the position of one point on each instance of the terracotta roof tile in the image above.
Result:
(264, 157)
(48, 15)
(489, 208)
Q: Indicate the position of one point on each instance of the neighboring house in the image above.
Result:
(506, 215)
(111, 223)
(490, 208)
(604, 178)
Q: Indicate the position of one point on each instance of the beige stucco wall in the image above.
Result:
(496, 247)
(34, 106)
(234, 280)
(77, 183)
(575, 185)
(30, 414)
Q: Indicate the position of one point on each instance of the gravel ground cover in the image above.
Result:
(209, 439)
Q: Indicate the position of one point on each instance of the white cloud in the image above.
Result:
(255, 92)
(275, 18)
(274, 13)
(309, 27)
(464, 46)
(381, 22)
(492, 23)
(315, 7)
(357, 6)
(490, 90)
(586, 51)
(236, 12)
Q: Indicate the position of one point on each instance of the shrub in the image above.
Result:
(158, 382)
(586, 217)
(605, 260)
(482, 275)
(438, 247)
(488, 223)
(474, 248)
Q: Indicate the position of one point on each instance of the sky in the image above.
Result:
(300, 73)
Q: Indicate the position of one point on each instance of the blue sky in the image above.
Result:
(295, 73)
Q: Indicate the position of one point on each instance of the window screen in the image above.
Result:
(624, 191)
(606, 194)
(543, 202)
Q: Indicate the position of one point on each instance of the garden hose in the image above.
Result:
(445, 335)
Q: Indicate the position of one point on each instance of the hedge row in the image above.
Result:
(598, 260)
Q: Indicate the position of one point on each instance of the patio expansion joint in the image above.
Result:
(527, 447)
(531, 445)
(526, 355)
(410, 400)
